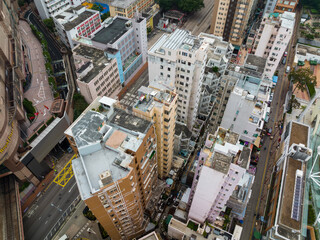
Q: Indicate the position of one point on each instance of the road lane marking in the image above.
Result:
(72, 187)
(65, 174)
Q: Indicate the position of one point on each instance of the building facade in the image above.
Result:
(230, 19)
(11, 91)
(269, 6)
(159, 106)
(96, 74)
(76, 21)
(116, 168)
(222, 161)
(247, 107)
(125, 40)
(51, 8)
(177, 61)
(127, 8)
(286, 6)
(272, 39)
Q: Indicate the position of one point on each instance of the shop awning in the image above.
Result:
(257, 142)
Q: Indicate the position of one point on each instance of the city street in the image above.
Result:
(44, 213)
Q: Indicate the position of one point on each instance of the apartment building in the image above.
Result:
(97, 75)
(240, 196)
(51, 8)
(177, 62)
(230, 19)
(219, 53)
(246, 108)
(159, 106)
(127, 8)
(11, 91)
(225, 88)
(287, 196)
(286, 6)
(272, 39)
(222, 161)
(76, 21)
(124, 40)
(116, 168)
(269, 6)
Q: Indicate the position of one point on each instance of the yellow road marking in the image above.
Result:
(65, 174)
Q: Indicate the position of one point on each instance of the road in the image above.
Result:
(257, 202)
(42, 215)
(53, 47)
(200, 21)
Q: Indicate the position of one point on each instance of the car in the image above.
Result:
(288, 69)
(284, 60)
(285, 54)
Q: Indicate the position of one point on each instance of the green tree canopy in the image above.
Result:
(302, 77)
(105, 16)
(49, 23)
(166, 4)
(190, 6)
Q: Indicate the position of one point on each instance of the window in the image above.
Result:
(169, 69)
(184, 54)
(161, 67)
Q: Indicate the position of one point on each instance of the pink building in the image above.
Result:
(97, 75)
(222, 163)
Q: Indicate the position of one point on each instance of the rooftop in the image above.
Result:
(179, 39)
(102, 145)
(122, 3)
(221, 162)
(150, 97)
(111, 33)
(182, 128)
(70, 18)
(96, 61)
(151, 236)
(256, 63)
(304, 49)
(299, 133)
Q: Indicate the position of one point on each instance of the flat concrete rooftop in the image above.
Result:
(111, 33)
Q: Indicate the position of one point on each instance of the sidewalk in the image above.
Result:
(41, 188)
(77, 225)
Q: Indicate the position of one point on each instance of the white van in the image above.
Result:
(288, 69)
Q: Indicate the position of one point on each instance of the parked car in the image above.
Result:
(284, 60)
(285, 54)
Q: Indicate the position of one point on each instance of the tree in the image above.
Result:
(303, 78)
(309, 36)
(166, 4)
(50, 24)
(190, 6)
(105, 16)
(97, 7)
(21, 3)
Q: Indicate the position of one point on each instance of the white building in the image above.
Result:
(177, 61)
(272, 39)
(50, 8)
(270, 6)
(222, 161)
(76, 21)
(247, 108)
(96, 74)
(306, 53)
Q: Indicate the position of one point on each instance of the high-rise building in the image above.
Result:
(222, 161)
(272, 39)
(97, 74)
(11, 104)
(269, 6)
(76, 21)
(125, 40)
(159, 106)
(177, 61)
(247, 108)
(230, 19)
(286, 6)
(116, 168)
(287, 192)
(51, 8)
